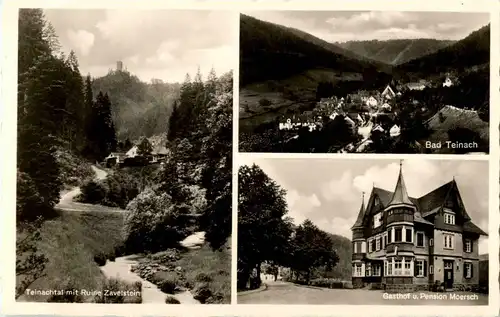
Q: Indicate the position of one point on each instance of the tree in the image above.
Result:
(312, 248)
(217, 176)
(102, 133)
(263, 230)
(144, 148)
(30, 264)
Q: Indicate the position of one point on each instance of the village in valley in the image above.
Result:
(371, 116)
(363, 96)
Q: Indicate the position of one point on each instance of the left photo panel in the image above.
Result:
(124, 156)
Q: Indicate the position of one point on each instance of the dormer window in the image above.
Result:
(449, 218)
(377, 220)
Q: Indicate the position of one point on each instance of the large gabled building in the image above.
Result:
(402, 243)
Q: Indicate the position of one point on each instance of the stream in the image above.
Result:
(121, 269)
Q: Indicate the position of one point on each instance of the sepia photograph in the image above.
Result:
(324, 231)
(124, 156)
(364, 82)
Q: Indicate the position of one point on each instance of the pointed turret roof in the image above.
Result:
(361, 214)
(400, 195)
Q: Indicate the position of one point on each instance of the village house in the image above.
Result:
(406, 244)
(395, 131)
(447, 82)
(388, 93)
(114, 158)
(416, 86)
(371, 102)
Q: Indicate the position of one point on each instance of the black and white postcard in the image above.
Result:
(124, 156)
(364, 82)
(362, 232)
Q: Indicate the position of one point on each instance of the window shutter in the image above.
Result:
(471, 245)
(464, 241)
(415, 269)
(471, 270)
(465, 269)
(425, 268)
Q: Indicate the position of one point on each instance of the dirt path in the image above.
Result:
(67, 202)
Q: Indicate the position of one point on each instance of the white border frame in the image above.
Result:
(8, 121)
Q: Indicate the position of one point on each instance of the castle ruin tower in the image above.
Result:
(119, 66)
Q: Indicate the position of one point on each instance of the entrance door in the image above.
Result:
(448, 274)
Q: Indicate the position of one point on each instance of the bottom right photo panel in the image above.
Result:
(357, 231)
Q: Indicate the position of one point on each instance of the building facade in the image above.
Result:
(403, 244)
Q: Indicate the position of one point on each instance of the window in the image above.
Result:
(389, 236)
(385, 240)
(431, 269)
(368, 270)
(369, 246)
(409, 235)
(355, 249)
(358, 270)
(389, 267)
(398, 267)
(372, 245)
(420, 268)
(398, 235)
(420, 239)
(407, 266)
(377, 246)
(377, 220)
(468, 245)
(448, 241)
(376, 270)
(449, 218)
(467, 269)
(448, 265)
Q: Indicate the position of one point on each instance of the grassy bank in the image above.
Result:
(70, 242)
(210, 272)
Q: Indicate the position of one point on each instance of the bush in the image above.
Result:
(203, 277)
(329, 283)
(73, 170)
(154, 223)
(112, 256)
(202, 292)
(92, 193)
(171, 300)
(169, 285)
(100, 259)
(120, 250)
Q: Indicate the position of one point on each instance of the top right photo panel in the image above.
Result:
(364, 82)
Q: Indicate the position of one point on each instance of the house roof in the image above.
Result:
(469, 226)
(428, 204)
(388, 89)
(400, 195)
(361, 214)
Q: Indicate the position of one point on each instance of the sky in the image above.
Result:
(341, 26)
(161, 44)
(329, 191)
